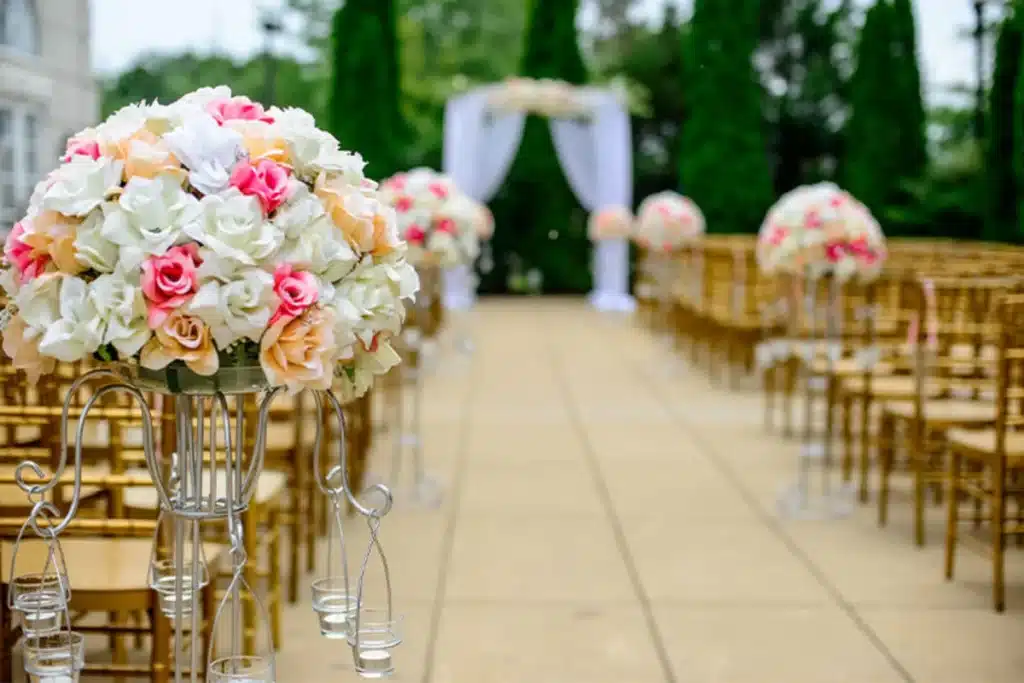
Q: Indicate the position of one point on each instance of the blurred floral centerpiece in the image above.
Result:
(611, 223)
(821, 230)
(206, 235)
(668, 221)
(438, 222)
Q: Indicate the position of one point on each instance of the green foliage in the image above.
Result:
(363, 109)
(724, 165)
(805, 70)
(540, 225)
(166, 78)
(885, 136)
(1001, 152)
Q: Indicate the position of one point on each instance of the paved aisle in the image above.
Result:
(608, 520)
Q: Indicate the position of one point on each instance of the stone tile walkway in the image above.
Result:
(609, 518)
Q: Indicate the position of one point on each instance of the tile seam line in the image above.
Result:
(711, 453)
(593, 466)
(448, 541)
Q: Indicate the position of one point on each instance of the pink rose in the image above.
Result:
(267, 181)
(296, 291)
(395, 183)
(414, 234)
(833, 252)
(28, 261)
(81, 147)
(403, 204)
(238, 109)
(438, 190)
(446, 225)
(813, 220)
(168, 281)
(777, 236)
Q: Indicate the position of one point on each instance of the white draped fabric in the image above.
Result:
(595, 153)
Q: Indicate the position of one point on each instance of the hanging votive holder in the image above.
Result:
(57, 658)
(241, 669)
(335, 606)
(164, 581)
(41, 599)
(375, 633)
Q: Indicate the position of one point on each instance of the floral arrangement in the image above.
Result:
(824, 230)
(483, 222)
(610, 223)
(208, 233)
(434, 218)
(545, 97)
(667, 221)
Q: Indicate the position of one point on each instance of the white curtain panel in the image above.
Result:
(597, 157)
(479, 148)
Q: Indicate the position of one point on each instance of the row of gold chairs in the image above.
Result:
(917, 372)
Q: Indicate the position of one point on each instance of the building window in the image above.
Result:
(20, 137)
(19, 25)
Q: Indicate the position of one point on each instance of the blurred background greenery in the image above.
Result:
(735, 104)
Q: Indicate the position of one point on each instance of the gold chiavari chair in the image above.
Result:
(953, 389)
(987, 466)
(107, 554)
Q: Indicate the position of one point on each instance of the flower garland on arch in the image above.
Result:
(543, 97)
(209, 233)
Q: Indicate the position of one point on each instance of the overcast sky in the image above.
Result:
(123, 30)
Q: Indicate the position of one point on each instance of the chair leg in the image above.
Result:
(864, 443)
(919, 468)
(886, 433)
(952, 511)
(769, 397)
(274, 576)
(160, 652)
(846, 429)
(998, 507)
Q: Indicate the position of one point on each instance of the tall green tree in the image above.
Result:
(540, 224)
(1001, 152)
(723, 160)
(908, 102)
(363, 108)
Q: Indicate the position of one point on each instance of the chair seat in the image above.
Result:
(892, 388)
(270, 485)
(983, 442)
(947, 412)
(846, 367)
(97, 568)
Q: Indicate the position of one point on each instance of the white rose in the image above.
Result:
(80, 185)
(38, 301)
(302, 209)
(313, 151)
(445, 246)
(208, 150)
(198, 100)
(371, 290)
(118, 300)
(79, 330)
(322, 249)
(123, 123)
(149, 218)
(362, 367)
(231, 225)
(92, 249)
(238, 308)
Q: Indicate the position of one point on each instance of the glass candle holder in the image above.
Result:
(56, 658)
(334, 606)
(379, 633)
(164, 581)
(41, 600)
(241, 669)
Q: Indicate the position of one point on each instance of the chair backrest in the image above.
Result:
(1010, 369)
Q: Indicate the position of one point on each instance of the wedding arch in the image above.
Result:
(591, 133)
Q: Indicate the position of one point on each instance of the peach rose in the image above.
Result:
(259, 143)
(22, 346)
(300, 352)
(350, 210)
(28, 261)
(185, 338)
(145, 155)
(51, 235)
